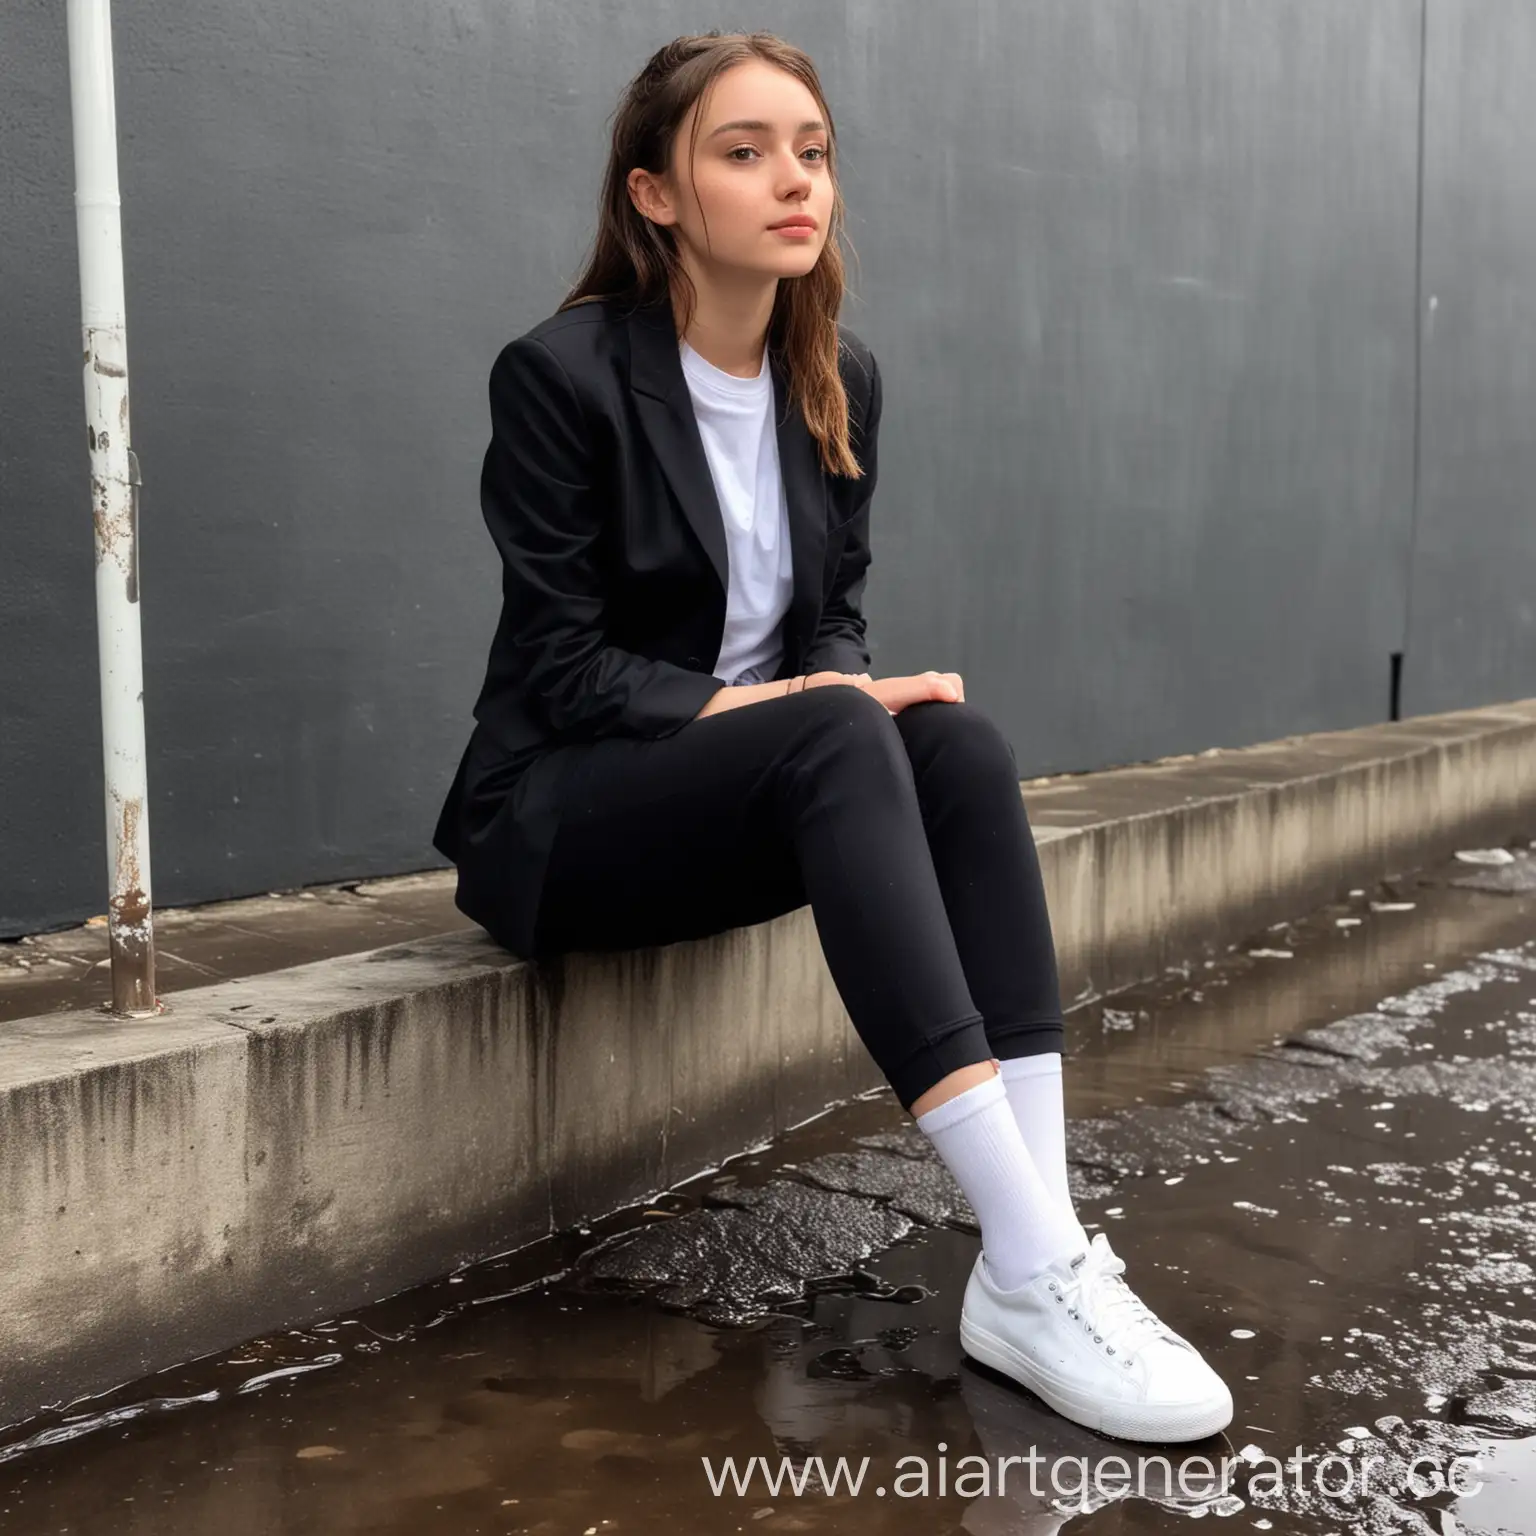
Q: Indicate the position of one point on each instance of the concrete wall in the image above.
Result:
(1473, 616)
(1142, 274)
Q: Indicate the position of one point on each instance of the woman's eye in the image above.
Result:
(819, 152)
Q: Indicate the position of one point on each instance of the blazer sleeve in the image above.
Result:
(543, 501)
(840, 644)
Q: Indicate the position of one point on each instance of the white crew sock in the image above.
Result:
(1034, 1094)
(1022, 1226)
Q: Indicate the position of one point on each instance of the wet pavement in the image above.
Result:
(1315, 1155)
(198, 946)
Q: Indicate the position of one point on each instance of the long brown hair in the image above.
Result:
(634, 259)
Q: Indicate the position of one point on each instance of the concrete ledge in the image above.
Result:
(275, 1150)
(1150, 865)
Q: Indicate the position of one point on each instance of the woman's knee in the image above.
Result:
(841, 720)
(965, 733)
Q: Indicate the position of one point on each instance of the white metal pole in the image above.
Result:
(114, 504)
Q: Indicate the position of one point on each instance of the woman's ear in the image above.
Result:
(649, 194)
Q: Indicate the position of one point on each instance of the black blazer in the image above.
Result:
(598, 496)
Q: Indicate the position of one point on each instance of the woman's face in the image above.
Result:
(761, 158)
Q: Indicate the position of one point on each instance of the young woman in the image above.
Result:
(678, 732)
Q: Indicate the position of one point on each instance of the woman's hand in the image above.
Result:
(897, 692)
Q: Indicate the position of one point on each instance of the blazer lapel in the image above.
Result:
(666, 412)
(805, 490)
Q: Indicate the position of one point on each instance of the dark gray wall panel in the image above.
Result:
(334, 216)
(1472, 636)
(52, 851)
(1140, 274)
(1147, 320)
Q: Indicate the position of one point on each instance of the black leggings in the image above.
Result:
(906, 833)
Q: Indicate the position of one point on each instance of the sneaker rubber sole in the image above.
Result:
(1167, 1423)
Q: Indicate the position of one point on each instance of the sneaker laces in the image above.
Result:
(1098, 1295)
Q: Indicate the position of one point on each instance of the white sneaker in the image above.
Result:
(1080, 1338)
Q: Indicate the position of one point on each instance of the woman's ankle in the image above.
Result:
(947, 1087)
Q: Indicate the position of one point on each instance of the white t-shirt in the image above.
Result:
(736, 423)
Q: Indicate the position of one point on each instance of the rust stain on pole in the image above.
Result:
(134, 481)
(110, 527)
(128, 924)
(117, 530)
(114, 526)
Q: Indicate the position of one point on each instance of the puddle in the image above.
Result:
(1319, 1168)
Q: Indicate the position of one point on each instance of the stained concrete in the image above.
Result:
(280, 1147)
(1318, 1169)
(198, 946)
(1150, 865)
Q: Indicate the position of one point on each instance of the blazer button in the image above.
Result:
(693, 659)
